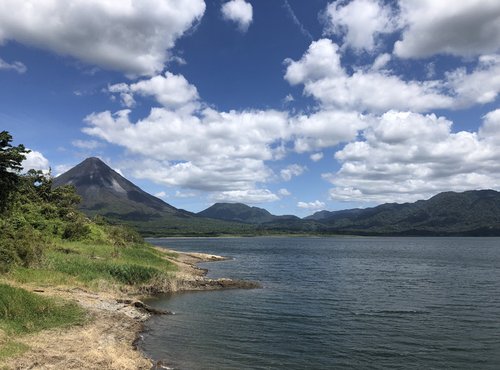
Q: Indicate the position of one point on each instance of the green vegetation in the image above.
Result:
(25, 312)
(46, 241)
(22, 312)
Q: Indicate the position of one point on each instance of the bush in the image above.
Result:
(23, 246)
(76, 230)
(122, 236)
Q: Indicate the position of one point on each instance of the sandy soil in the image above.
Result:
(106, 340)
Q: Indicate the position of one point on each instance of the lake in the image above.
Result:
(336, 302)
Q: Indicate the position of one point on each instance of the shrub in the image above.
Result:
(76, 230)
(23, 246)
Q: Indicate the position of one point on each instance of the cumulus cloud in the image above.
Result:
(463, 28)
(315, 157)
(324, 78)
(291, 171)
(312, 206)
(359, 22)
(408, 156)
(14, 66)
(238, 11)
(35, 161)
(132, 36)
(490, 129)
(480, 86)
(171, 91)
(325, 128)
(161, 194)
(211, 151)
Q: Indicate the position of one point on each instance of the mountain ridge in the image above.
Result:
(105, 192)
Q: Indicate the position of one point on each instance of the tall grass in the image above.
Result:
(25, 312)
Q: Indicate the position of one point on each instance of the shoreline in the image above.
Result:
(115, 320)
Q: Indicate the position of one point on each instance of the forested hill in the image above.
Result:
(475, 212)
(242, 213)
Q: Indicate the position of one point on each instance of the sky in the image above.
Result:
(290, 105)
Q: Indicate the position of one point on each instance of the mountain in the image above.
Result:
(475, 212)
(105, 192)
(240, 212)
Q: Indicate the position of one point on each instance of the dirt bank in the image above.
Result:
(106, 340)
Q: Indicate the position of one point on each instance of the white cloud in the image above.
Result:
(381, 61)
(359, 22)
(323, 77)
(86, 144)
(238, 11)
(61, 168)
(131, 36)
(312, 206)
(185, 194)
(408, 156)
(284, 192)
(288, 99)
(315, 157)
(171, 91)
(490, 130)
(14, 66)
(35, 161)
(325, 128)
(480, 86)
(161, 194)
(464, 28)
(291, 171)
(252, 196)
(215, 151)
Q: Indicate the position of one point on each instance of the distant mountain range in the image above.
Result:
(475, 212)
(107, 193)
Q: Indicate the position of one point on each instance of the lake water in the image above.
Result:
(339, 302)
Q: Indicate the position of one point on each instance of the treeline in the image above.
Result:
(34, 216)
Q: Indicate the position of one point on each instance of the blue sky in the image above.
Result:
(294, 106)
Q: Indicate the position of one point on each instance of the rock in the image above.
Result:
(149, 309)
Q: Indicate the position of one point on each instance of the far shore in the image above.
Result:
(108, 340)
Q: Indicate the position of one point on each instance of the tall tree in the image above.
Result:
(11, 158)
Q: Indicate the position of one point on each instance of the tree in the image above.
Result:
(11, 158)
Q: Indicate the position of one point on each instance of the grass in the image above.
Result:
(86, 264)
(11, 348)
(23, 312)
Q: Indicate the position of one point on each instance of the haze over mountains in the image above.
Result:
(107, 193)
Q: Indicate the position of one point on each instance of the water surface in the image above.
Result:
(341, 302)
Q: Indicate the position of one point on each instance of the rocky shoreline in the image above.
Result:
(108, 340)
